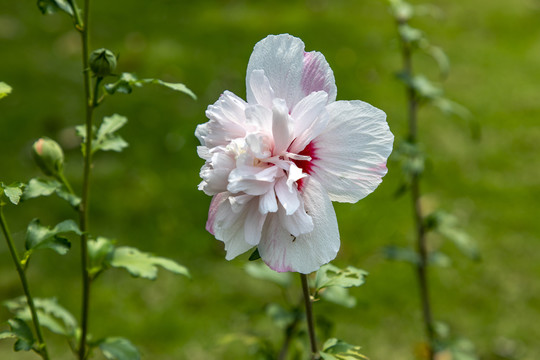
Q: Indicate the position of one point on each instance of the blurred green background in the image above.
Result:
(147, 196)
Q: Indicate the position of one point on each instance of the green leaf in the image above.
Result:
(51, 315)
(13, 192)
(449, 107)
(52, 6)
(401, 10)
(117, 348)
(100, 252)
(127, 81)
(174, 86)
(255, 255)
(123, 85)
(440, 58)
(142, 264)
(330, 275)
(439, 259)
(401, 254)
(447, 225)
(411, 157)
(5, 89)
(410, 34)
(263, 272)
(334, 349)
(338, 295)
(40, 187)
(44, 187)
(106, 139)
(41, 237)
(21, 331)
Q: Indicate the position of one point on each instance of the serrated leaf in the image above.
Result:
(334, 349)
(40, 187)
(13, 192)
(330, 275)
(401, 254)
(5, 89)
(21, 331)
(263, 272)
(140, 264)
(106, 139)
(117, 348)
(123, 85)
(175, 86)
(52, 6)
(100, 252)
(51, 315)
(127, 81)
(41, 237)
(44, 187)
(338, 295)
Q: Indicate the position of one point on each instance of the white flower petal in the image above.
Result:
(288, 197)
(259, 118)
(281, 126)
(268, 202)
(215, 173)
(252, 180)
(297, 223)
(317, 75)
(310, 120)
(254, 223)
(351, 153)
(282, 59)
(228, 226)
(308, 252)
(227, 119)
(261, 89)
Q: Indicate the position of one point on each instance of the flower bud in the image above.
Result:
(102, 62)
(48, 156)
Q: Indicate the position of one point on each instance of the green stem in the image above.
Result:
(309, 316)
(66, 183)
(84, 206)
(421, 241)
(42, 347)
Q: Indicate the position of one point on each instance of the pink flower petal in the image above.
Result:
(317, 75)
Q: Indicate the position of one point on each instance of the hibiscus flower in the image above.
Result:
(275, 162)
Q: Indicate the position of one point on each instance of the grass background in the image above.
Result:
(147, 195)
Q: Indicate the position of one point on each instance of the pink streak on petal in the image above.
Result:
(214, 205)
(313, 78)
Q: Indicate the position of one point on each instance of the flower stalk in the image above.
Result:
(41, 346)
(421, 241)
(309, 317)
(82, 25)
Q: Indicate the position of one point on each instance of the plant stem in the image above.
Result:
(84, 206)
(42, 347)
(309, 316)
(289, 333)
(421, 245)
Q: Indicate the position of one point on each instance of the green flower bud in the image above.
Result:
(48, 156)
(102, 62)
